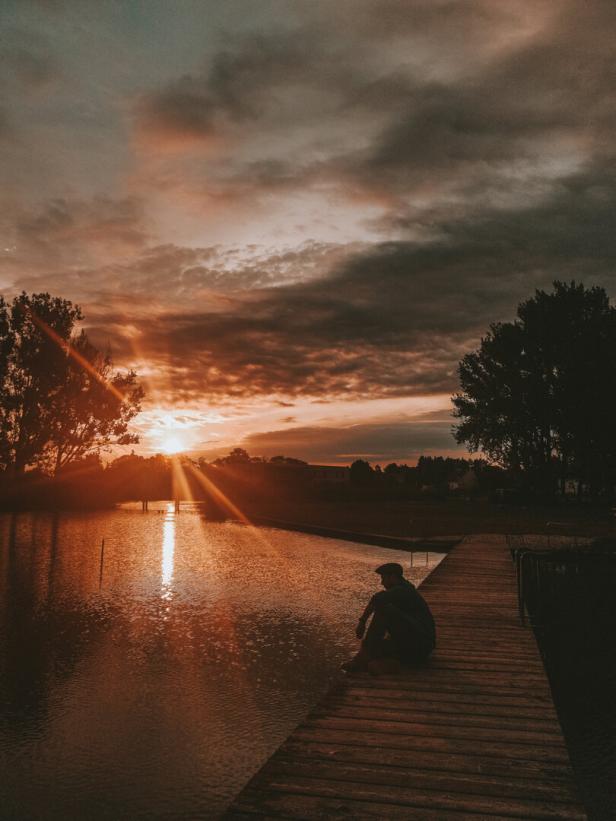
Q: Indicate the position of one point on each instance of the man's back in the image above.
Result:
(408, 600)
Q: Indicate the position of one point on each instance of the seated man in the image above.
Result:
(402, 628)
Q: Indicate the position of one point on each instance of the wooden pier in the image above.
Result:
(473, 735)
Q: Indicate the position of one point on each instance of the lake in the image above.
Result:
(155, 686)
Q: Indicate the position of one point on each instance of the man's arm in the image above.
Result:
(361, 624)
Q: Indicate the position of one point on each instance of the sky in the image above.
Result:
(293, 219)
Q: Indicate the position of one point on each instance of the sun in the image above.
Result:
(171, 432)
(172, 443)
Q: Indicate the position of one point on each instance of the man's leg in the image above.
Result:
(410, 641)
(375, 645)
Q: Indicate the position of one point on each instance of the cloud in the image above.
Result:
(322, 321)
(397, 441)
(475, 140)
(467, 106)
(28, 61)
(66, 233)
(240, 84)
(391, 319)
(154, 279)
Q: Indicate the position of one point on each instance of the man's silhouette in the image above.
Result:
(402, 629)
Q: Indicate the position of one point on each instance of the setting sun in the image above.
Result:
(172, 444)
(171, 432)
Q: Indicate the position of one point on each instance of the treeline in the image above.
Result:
(433, 476)
(237, 478)
(87, 483)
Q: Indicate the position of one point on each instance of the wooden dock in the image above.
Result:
(473, 735)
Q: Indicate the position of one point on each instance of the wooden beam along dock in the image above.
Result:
(471, 735)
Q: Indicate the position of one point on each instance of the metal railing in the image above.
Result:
(554, 583)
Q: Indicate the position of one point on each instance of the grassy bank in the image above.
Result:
(429, 519)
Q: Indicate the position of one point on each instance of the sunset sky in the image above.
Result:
(293, 218)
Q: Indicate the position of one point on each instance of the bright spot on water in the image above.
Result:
(168, 550)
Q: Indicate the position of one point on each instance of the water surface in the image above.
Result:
(157, 688)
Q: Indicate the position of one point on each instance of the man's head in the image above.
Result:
(390, 573)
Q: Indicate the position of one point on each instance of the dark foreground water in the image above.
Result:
(155, 690)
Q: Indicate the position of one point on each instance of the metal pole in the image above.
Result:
(100, 576)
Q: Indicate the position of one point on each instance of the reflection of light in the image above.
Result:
(168, 546)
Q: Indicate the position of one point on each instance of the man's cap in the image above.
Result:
(390, 567)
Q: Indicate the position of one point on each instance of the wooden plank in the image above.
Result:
(468, 688)
(472, 734)
(272, 804)
(434, 742)
(384, 723)
(394, 700)
(470, 792)
(546, 773)
(376, 688)
(410, 714)
(450, 782)
(416, 798)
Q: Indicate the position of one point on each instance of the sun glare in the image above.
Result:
(172, 443)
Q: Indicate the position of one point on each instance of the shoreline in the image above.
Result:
(435, 545)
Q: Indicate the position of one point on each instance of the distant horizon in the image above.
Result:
(106, 458)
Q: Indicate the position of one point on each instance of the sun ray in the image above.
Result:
(179, 482)
(74, 354)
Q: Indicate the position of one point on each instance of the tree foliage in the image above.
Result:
(60, 397)
(361, 472)
(538, 396)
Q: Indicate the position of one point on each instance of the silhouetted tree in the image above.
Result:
(238, 456)
(59, 397)
(538, 396)
(361, 472)
(287, 460)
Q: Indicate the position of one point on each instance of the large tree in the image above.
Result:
(60, 398)
(538, 396)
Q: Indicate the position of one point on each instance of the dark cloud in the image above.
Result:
(468, 106)
(398, 441)
(75, 232)
(393, 319)
(240, 84)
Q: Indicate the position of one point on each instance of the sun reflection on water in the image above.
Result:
(168, 550)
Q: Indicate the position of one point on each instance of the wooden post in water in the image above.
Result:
(177, 505)
(100, 575)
